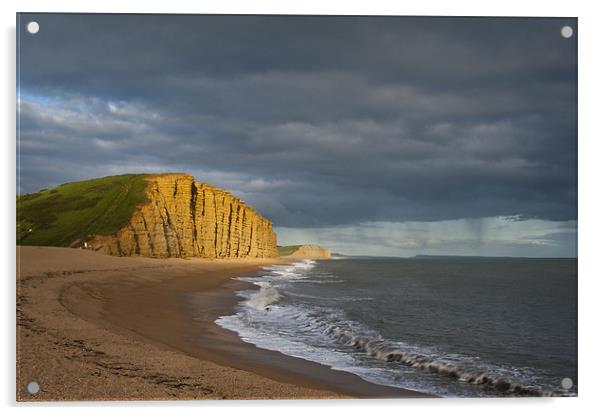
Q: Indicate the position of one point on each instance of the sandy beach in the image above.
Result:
(97, 327)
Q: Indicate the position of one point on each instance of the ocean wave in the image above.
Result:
(388, 352)
(268, 294)
(318, 297)
(262, 299)
(294, 271)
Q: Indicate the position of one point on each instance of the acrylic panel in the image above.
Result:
(283, 207)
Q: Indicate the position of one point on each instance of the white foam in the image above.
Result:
(263, 298)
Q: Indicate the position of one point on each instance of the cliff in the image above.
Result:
(305, 252)
(185, 218)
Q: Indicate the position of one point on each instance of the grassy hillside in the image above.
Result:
(70, 213)
(287, 250)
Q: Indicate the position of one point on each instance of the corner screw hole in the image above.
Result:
(567, 383)
(33, 27)
(566, 32)
(33, 387)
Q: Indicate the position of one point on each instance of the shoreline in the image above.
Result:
(199, 336)
(128, 322)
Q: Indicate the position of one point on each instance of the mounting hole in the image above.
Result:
(33, 27)
(567, 383)
(567, 33)
(33, 387)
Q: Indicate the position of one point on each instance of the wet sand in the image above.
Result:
(95, 327)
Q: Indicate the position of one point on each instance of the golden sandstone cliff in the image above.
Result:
(186, 218)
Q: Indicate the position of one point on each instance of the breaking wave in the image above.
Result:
(388, 352)
(266, 296)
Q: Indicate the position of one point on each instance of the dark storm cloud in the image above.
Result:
(314, 121)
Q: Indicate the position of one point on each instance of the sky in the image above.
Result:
(369, 135)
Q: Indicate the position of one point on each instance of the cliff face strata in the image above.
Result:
(185, 218)
(310, 252)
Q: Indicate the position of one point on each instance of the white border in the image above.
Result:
(590, 70)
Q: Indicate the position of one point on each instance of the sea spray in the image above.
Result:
(262, 299)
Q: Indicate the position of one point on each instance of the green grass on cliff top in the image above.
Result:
(70, 213)
(287, 250)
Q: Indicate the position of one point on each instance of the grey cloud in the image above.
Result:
(315, 121)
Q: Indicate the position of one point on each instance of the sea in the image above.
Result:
(448, 326)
